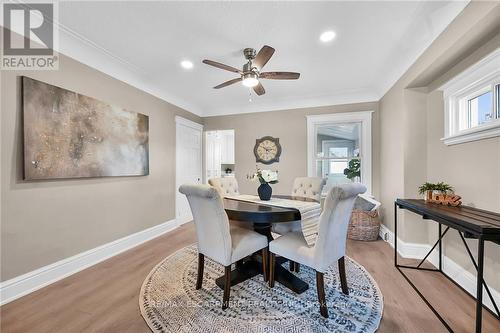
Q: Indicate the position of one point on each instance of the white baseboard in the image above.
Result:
(39, 278)
(463, 277)
(184, 218)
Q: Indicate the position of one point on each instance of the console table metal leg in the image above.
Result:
(479, 286)
(395, 235)
(440, 250)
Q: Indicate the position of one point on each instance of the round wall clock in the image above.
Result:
(267, 150)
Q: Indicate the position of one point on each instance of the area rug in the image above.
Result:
(169, 301)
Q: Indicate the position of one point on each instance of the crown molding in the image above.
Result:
(81, 49)
(78, 47)
(300, 102)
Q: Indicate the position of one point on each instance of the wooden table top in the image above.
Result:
(468, 219)
(260, 212)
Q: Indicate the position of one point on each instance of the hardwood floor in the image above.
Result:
(104, 298)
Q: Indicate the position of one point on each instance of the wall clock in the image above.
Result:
(267, 150)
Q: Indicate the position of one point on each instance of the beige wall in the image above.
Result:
(472, 168)
(46, 221)
(290, 127)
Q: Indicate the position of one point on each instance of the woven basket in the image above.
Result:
(364, 226)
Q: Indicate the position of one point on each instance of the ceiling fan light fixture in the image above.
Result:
(250, 80)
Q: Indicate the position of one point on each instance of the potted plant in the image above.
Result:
(265, 177)
(427, 189)
(444, 188)
(353, 169)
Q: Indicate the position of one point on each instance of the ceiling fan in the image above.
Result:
(252, 70)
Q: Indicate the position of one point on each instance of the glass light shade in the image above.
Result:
(250, 80)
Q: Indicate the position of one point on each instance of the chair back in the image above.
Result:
(227, 186)
(308, 187)
(333, 223)
(211, 221)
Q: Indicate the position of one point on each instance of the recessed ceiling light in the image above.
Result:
(327, 36)
(186, 64)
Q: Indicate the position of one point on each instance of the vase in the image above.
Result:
(265, 191)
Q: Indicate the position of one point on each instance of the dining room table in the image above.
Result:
(261, 217)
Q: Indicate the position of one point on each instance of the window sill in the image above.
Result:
(486, 131)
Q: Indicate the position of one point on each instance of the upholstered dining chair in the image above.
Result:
(217, 239)
(330, 244)
(226, 186)
(305, 187)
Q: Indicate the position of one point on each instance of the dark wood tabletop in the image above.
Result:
(262, 213)
(467, 219)
(262, 216)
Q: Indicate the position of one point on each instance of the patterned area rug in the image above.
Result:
(169, 301)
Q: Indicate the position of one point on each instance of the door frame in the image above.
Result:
(180, 121)
(365, 118)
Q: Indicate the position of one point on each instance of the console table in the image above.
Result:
(469, 222)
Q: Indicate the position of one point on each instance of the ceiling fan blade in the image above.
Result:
(227, 83)
(279, 75)
(265, 53)
(221, 66)
(259, 89)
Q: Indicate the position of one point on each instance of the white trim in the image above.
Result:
(296, 102)
(27, 283)
(365, 117)
(483, 74)
(188, 123)
(196, 126)
(485, 131)
(463, 277)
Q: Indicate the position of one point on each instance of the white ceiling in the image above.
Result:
(143, 43)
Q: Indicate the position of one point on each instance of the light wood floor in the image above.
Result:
(104, 298)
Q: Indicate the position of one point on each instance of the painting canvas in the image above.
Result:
(69, 135)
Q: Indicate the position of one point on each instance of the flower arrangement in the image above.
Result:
(265, 176)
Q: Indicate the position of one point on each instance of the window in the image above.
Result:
(334, 142)
(472, 102)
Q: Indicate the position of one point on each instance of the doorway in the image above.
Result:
(188, 163)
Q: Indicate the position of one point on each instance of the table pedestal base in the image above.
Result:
(253, 267)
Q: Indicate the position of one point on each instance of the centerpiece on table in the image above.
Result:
(265, 177)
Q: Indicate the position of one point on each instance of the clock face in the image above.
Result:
(267, 150)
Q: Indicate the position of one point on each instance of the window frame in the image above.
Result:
(478, 79)
(363, 117)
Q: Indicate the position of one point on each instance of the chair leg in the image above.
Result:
(297, 267)
(227, 287)
(272, 262)
(201, 266)
(265, 263)
(343, 278)
(320, 286)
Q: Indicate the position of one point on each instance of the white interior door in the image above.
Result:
(188, 148)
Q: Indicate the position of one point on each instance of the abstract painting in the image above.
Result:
(69, 135)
